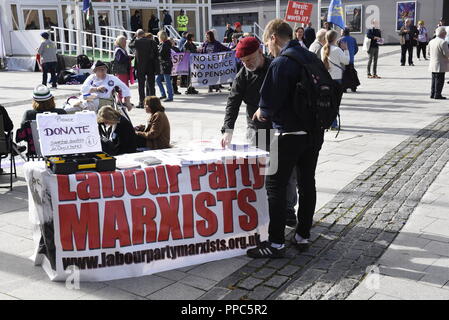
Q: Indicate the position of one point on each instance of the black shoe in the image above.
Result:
(177, 92)
(440, 98)
(411, 64)
(432, 97)
(1, 171)
(265, 250)
(210, 90)
(354, 89)
(300, 246)
(163, 97)
(402, 64)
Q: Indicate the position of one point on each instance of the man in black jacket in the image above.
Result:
(296, 148)
(245, 88)
(409, 34)
(136, 21)
(146, 64)
(309, 35)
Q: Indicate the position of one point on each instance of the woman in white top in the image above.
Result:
(299, 33)
(334, 58)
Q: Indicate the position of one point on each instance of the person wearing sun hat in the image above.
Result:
(43, 101)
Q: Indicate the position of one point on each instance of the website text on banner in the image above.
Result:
(298, 12)
(212, 68)
(181, 63)
(132, 223)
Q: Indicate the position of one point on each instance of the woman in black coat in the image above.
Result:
(117, 133)
(165, 48)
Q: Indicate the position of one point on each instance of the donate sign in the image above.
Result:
(68, 134)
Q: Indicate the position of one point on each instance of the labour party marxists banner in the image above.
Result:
(212, 68)
(111, 225)
(181, 63)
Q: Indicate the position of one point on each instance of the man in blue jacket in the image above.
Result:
(352, 82)
(296, 148)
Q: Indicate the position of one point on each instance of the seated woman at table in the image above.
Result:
(43, 101)
(98, 88)
(116, 132)
(156, 134)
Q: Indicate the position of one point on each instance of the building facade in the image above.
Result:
(22, 20)
(387, 12)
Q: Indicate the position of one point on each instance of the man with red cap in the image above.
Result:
(238, 27)
(246, 88)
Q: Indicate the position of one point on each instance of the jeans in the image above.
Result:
(167, 79)
(407, 47)
(46, 68)
(373, 55)
(145, 80)
(421, 47)
(300, 152)
(437, 84)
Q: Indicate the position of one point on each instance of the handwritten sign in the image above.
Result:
(298, 12)
(68, 134)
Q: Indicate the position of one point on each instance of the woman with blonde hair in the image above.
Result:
(165, 47)
(335, 59)
(156, 133)
(116, 132)
(121, 65)
(423, 40)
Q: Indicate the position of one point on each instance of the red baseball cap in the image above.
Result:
(247, 46)
(237, 24)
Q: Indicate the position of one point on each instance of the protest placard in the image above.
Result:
(181, 63)
(298, 12)
(212, 68)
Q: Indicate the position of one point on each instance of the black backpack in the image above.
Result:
(83, 62)
(317, 96)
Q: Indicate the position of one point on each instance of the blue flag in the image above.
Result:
(335, 14)
(86, 5)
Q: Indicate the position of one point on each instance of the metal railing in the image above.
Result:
(117, 31)
(258, 31)
(72, 41)
(172, 32)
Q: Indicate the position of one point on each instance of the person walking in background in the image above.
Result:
(146, 63)
(309, 35)
(335, 59)
(49, 60)
(423, 40)
(136, 21)
(168, 20)
(122, 62)
(211, 46)
(319, 42)
(350, 78)
(228, 34)
(299, 36)
(166, 63)
(153, 24)
(439, 62)
(191, 47)
(375, 35)
(408, 34)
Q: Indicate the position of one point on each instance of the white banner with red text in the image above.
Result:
(132, 223)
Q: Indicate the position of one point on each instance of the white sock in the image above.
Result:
(300, 239)
(277, 245)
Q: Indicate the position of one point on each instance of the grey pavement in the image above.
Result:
(382, 185)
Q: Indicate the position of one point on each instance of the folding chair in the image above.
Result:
(6, 149)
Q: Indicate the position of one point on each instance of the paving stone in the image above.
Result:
(215, 294)
(237, 294)
(301, 260)
(288, 270)
(177, 291)
(276, 281)
(249, 283)
(278, 263)
(264, 273)
(341, 290)
(260, 293)
(199, 282)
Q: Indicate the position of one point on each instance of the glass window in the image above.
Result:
(50, 19)
(31, 19)
(15, 18)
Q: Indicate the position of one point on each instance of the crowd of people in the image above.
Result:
(267, 85)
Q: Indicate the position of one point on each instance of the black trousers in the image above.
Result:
(49, 67)
(437, 84)
(146, 81)
(300, 152)
(421, 47)
(407, 47)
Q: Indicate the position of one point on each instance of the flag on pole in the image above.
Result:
(86, 5)
(335, 14)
